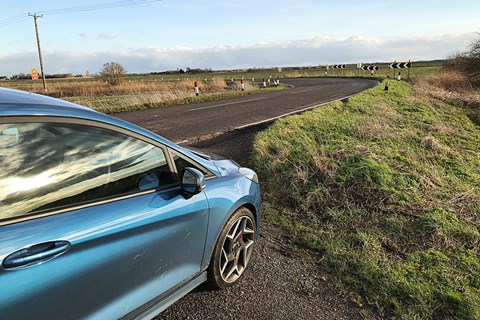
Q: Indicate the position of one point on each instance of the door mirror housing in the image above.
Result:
(192, 181)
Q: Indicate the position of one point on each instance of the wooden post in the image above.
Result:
(35, 16)
(408, 72)
(195, 88)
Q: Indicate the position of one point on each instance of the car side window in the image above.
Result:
(50, 166)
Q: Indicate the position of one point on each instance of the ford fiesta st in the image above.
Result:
(101, 219)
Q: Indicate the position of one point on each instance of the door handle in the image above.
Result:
(35, 254)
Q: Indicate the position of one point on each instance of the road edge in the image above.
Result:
(269, 120)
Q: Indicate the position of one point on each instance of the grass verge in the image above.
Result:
(387, 188)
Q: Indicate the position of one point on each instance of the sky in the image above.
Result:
(169, 35)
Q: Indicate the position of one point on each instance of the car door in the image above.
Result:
(92, 221)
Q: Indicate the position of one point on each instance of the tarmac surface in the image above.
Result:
(192, 122)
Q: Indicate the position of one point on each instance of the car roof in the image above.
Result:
(12, 102)
(19, 103)
(17, 96)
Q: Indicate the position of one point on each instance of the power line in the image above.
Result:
(100, 6)
(13, 20)
(93, 7)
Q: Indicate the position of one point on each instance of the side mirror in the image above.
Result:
(192, 181)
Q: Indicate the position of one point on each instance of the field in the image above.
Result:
(386, 187)
(138, 92)
(157, 90)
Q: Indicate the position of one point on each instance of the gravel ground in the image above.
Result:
(278, 284)
(282, 281)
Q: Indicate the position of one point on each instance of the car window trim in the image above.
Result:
(73, 120)
(208, 175)
(33, 216)
(103, 125)
(96, 123)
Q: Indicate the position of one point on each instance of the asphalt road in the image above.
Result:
(187, 123)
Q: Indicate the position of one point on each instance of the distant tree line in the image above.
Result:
(26, 76)
(181, 71)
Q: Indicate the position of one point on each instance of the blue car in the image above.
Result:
(101, 219)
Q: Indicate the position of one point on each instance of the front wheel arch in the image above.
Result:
(233, 249)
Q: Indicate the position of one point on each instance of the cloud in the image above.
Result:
(106, 37)
(315, 51)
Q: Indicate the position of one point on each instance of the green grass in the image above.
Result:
(387, 188)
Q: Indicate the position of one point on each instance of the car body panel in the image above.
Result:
(221, 195)
(162, 302)
(123, 248)
(130, 256)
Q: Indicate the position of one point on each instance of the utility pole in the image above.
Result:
(35, 16)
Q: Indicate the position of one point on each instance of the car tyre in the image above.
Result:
(233, 250)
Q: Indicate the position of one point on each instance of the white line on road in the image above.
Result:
(304, 108)
(302, 91)
(225, 104)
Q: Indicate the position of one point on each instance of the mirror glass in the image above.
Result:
(189, 181)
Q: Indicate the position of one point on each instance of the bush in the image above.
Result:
(473, 61)
(113, 73)
(468, 62)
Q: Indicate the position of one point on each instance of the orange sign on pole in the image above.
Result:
(34, 73)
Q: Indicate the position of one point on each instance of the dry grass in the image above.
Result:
(247, 84)
(292, 74)
(72, 88)
(373, 128)
(134, 94)
(449, 85)
(446, 79)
